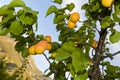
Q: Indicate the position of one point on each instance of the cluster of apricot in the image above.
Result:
(74, 17)
(41, 46)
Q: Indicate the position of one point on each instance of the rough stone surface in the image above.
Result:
(14, 61)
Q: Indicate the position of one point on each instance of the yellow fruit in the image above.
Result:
(107, 3)
(49, 47)
(48, 38)
(53, 55)
(32, 50)
(90, 62)
(74, 17)
(39, 49)
(43, 43)
(76, 44)
(71, 24)
(95, 44)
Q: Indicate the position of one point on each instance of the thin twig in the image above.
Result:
(68, 76)
(81, 21)
(112, 54)
(47, 59)
(97, 30)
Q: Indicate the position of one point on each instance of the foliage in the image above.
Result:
(74, 49)
(19, 24)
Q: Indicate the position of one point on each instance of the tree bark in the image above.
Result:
(95, 73)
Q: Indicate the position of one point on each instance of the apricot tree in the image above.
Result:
(77, 53)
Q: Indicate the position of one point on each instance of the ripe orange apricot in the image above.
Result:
(74, 17)
(39, 49)
(43, 43)
(49, 47)
(32, 50)
(48, 38)
(95, 44)
(71, 24)
(107, 3)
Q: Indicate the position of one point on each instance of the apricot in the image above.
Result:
(71, 24)
(48, 38)
(74, 17)
(39, 49)
(49, 47)
(95, 44)
(43, 43)
(32, 50)
(107, 3)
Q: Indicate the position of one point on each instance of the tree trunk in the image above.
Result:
(95, 73)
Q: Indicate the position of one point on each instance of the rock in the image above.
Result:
(16, 64)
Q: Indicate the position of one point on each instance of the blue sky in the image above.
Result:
(47, 27)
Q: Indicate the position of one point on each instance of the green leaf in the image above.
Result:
(29, 10)
(60, 26)
(115, 36)
(16, 3)
(72, 71)
(20, 44)
(51, 10)
(25, 53)
(82, 77)
(79, 61)
(16, 28)
(91, 1)
(3, 31)
(65, 33)
(58, 19)
(68, 47)
(5, 11)
(106, 22)
(116, 14)
(105, 63)
(28, 18)
(95, 6)
(6, 20)
(58, 1)
(70, 6)
(115, 17)
(117, 8)
(85, 6)
(60, 11)
(61, 54)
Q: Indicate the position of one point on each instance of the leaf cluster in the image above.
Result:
(19, 21)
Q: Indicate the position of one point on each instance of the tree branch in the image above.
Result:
(47, 59)
(112, 54)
